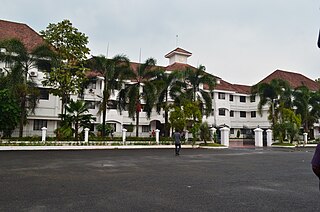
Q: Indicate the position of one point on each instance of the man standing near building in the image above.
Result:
(177, 142)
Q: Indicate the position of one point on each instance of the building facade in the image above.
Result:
(233, 104)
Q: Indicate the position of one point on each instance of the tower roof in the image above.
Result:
(178, 51)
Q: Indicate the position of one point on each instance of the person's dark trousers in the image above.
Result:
(177, 148)
(316, 171)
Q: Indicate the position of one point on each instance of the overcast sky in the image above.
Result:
(241, 41)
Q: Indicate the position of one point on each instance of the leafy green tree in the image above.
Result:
(77, 116)
(193, 116)
(70, 44)
(67, 77)
(111, 70)
(307, 104)
(293, 123)
(10, 112)
(21, 61)
(177, 118)
(144, 78)
(287, 125)
(204, 132)
(188, 115)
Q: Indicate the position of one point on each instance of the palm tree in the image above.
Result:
(193, 79)
(273, 94)
(77, 115)
(307, 104)
(169, 84)
(20, 62)
(131, 96)
(111, 70)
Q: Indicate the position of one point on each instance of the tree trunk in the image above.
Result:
(166, 126)
(104, 114)
(306, 127)
(137, 123)
(104, 109)
(166, 114)
(22, 118)
(76, 130)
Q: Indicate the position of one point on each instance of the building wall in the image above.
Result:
(49, 109)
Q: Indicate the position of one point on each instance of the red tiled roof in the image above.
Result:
(294, 79)
(22, 32)
(93, 74)
(244, 89)
(226, 86)
(179, 51)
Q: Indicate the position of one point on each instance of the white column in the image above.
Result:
(86, 135)
(269, 137)
(225, 136)
(124, 134)
(305, 138)
(258, 137)
(157, 136)
(213, 131)
(186, 136)
(43, 134)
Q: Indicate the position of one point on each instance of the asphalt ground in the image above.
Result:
(269, 179)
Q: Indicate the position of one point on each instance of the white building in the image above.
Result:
(233, 105)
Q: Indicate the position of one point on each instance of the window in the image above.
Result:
(243, 131)
(253, 114)
(38, 124)
(44, 93)
(90, 104)
(242, 99)
(222, 111)
(231, 113)
(92, 85)
(232, 131)
(252, 98)
(145, 128)
(231, 98)
(243, 114)
(8, 64)
(112, 126)
(112, 104)
(221, 95)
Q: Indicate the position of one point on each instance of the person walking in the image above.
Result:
(316, 163)
(177, 142)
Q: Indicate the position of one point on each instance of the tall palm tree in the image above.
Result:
(193, 79)
(20, 62)
(273, 94)
(111, 70)
(169, 84)
(307, 104)
(130, 97)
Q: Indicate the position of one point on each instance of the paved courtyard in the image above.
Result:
(156, 180)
